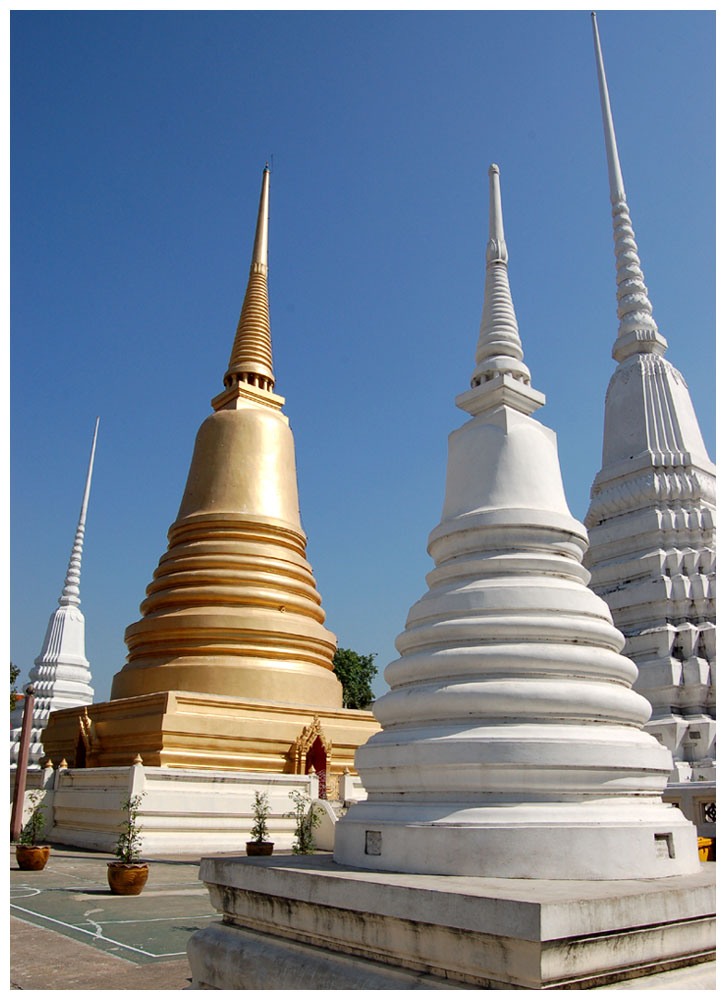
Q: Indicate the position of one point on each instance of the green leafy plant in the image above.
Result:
(307, 817)
(128, 845)
(260, 812)
(355, 672)
(35, 824)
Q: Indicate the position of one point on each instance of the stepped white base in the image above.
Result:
(308, 923)
(517, 840)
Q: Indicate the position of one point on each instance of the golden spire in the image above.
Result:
(251, 358)
(233, 608)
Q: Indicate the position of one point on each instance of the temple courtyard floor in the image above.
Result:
(68, 932)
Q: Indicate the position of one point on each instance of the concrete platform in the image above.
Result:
(308, 923)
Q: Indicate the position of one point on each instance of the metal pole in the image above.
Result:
(16, 816)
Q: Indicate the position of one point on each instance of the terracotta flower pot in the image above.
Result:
(258, 848)
(127, 879)
(31, 857)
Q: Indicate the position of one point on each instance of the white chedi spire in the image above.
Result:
(499, 350)
(61, 676)
(652, 511)
(512, 742)
(637, 331)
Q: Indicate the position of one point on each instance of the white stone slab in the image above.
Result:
(467, 932)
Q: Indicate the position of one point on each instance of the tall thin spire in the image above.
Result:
(251, 358)
(500, 372)
(499, 348)
(637, 331)
(71, 587)
(61, 675)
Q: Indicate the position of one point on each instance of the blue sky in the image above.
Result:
(137, 143)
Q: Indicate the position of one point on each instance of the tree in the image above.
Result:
(14, 674)
(355, 672)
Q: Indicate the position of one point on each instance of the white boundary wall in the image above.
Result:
(182, 811)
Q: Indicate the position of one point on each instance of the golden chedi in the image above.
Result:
(233, 608)
(232, 633)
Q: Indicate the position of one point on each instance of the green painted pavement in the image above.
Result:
(71, 897)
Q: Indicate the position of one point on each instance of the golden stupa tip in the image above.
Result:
(251, 358)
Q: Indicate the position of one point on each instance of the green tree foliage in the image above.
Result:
(14, 674)
(355, 672)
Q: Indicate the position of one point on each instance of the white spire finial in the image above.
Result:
(499, 365)
(617, 188)
(71, 588)
(637, 331)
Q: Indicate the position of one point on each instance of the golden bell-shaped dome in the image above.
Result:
(233, 608)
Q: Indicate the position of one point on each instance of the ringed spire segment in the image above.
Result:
(251, 359)
(71, 587)
(637, 330)
(500, 374)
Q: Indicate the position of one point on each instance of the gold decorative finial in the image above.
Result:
(138, 759)
(251, 358)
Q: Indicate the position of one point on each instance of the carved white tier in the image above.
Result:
(652, 512)
(61, 676)
(512, 741)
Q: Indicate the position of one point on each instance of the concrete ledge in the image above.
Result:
(475, 932)
(220, 955)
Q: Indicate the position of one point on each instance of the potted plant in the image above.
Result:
(30, 855)
(127, 875)
(259, 844)
(307, 816)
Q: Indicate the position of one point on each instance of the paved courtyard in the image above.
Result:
(68, 931)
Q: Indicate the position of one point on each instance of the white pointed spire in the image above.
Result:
(61, 677)
(500, 371)
(638, 332)
(71, 587)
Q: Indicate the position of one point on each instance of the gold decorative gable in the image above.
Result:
(299, 750)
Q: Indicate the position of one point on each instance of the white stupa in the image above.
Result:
(652, 515)
(61, 676)
(512, 741)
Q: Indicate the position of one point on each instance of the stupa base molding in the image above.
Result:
(179, 729)
(607, 841)
(308, 923)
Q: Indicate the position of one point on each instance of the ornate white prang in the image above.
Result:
(638, 330)
(652, 511)
(512, 742)
(61, 677)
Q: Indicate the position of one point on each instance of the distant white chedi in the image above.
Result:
(512, 742)
(61, 676)
(652, 514)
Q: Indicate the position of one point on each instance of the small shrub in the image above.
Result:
(35, 824)
(128, 845)
(261, 811)
(307, 817)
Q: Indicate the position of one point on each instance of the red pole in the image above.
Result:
(16, 816)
